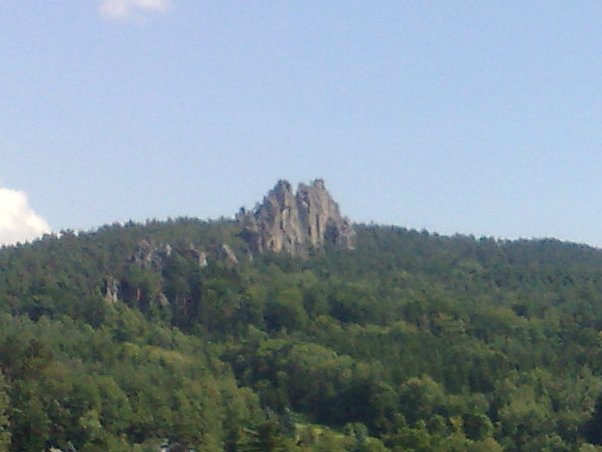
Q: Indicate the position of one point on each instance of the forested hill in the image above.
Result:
(176, 333)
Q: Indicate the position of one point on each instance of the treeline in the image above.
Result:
(411, 341)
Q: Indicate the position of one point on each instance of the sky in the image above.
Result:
(467, 117)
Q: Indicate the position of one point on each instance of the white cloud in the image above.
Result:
(18, 221)
(126, 9)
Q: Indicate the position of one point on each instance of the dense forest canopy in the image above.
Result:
(410, 341)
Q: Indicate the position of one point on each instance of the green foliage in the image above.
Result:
(412, 341)
(5, 433)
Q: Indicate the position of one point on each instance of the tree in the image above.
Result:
(5, 434)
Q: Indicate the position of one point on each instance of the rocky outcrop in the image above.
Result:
(296, 222)
(196, 255)
(224, 252)
(111, 289)
(149, 256)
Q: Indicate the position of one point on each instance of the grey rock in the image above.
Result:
(225, 252)
(197, 255)
(202, 259)
(149, 256)
(296, 222)
(111, 290)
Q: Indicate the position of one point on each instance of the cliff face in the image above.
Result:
(296, 222)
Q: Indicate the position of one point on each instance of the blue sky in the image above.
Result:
(474, 117)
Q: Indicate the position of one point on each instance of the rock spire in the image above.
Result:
(296, 222)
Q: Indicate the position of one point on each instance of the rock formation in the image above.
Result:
(196, 255)
(224, 252)
(296, 222)
(111, 289)
(150, 257)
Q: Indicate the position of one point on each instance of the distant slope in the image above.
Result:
(177, 332)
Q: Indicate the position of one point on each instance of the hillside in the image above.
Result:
(178, 332)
